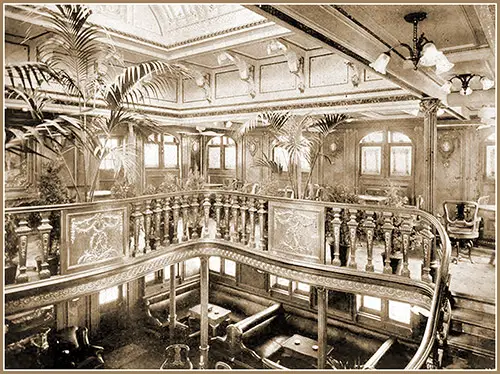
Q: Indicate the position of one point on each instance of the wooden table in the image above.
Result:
(216, 315)
(304, 349)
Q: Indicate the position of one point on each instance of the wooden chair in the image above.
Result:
(462, 224)
(177, 358)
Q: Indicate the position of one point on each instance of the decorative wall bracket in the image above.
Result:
(294, 61)
(202, 80)
(245, 70)
(354, 73)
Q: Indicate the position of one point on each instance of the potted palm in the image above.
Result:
(11, 250)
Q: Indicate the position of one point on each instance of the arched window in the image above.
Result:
(161, 151)
(386, 154)
(222, 153)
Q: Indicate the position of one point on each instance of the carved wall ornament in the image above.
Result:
(430, 106)
(246, 71)
(232, 251)
(336, 147)
(252, 145)
(354, 73)
(446, 147)
(202, 80)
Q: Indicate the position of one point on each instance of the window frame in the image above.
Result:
(225, 142)
(160, 142)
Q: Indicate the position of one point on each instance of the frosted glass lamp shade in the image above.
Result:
(430, 55)
(466, 91)
(487, 83)
(446, 87)
(380, 64)
(442, 64)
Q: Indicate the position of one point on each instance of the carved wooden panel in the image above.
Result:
(276, 77)
(297, 232)
(327, 70)
(93, 238)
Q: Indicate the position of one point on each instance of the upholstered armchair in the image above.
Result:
(462, 224)
(69, 348)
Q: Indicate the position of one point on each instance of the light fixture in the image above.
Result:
(465, 80)
(423, 52)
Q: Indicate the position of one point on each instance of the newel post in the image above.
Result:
(387, 227)
(406, 228)
(427, 240)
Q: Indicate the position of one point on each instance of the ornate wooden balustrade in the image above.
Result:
(332, 245)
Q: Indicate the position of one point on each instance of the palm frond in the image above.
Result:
(328, 123)
(266, 162)
(276, 120)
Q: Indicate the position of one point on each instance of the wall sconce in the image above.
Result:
(465, 80)
(446, 148)
(423, 52)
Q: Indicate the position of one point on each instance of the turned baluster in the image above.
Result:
(218, 207)
(335, 228)
(147, 226)
(185, 216)
(206, 209)
(405, 229)
(195, 207)
(227, 229)
(262, 212)
(387, 227)
(44, 231)
(427, 240)
(234, 208)
(166, 221)
(369, 226)
(352, 224)
(137, 216)
(251, 211)
(157, 220)
(22, 232)
(176, 216)
(243, 210)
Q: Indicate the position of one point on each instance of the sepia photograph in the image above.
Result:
(225, 186)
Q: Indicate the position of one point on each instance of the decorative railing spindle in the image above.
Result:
(251, 211)
(234, 213)
(195, 208)
(185, 213)
(137, 215)
(22, 232)
(369, 226)
(335, 227)
(206, 210)
(147, 226)
(387, 227)
(427, 239)
(227, 228)
(405, 229)
(166, 221)
(218, 208)
(176, 214)
(262, 212)
(243, 211)
(352, 224)
(157, 219)
(44, 231)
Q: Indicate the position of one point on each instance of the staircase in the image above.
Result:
(472, 333)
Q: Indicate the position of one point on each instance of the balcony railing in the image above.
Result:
(329, 237)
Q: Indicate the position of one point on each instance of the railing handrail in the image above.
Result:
(429, 335)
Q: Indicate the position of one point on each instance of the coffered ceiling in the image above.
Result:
(196, 33)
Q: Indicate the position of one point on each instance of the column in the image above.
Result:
(322, 326)
(429, 107)
(172, 317)
(204, 312)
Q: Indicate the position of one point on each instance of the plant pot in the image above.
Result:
(53, 265)
(10, 271)
(394, 262)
